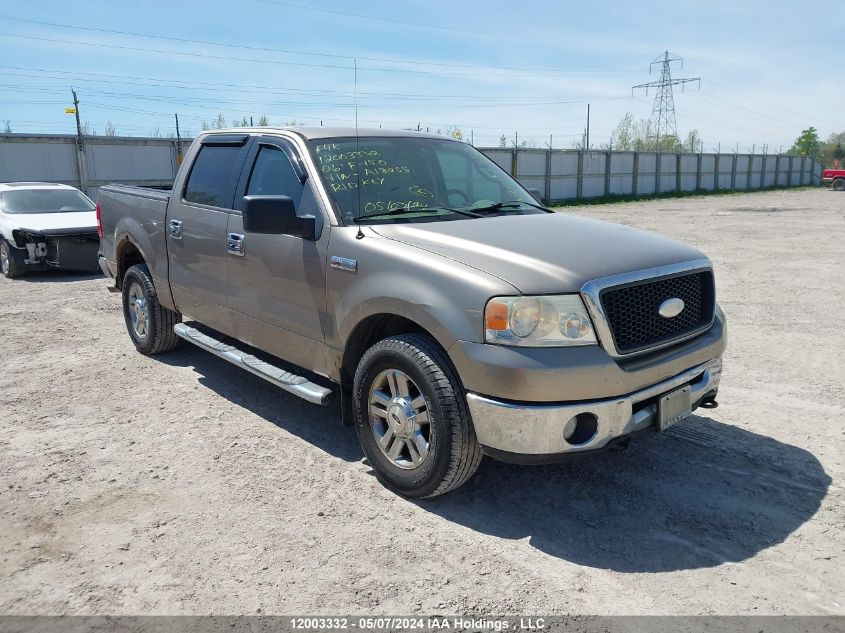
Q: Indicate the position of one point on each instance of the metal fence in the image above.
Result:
(558, 175)
(107, 159)
(554, 175)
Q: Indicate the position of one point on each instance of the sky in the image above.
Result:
(525, 70)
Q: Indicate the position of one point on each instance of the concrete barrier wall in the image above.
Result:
(573, 174)
(552, 174)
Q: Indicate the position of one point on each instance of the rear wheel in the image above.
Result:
(411, 417)
(150, 326)
(839, 184)
(8, 264)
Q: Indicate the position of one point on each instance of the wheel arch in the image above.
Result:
(367, 332)
(127, 254)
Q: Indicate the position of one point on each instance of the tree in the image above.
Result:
(110, 129)
(263, 121)
(632, 134)
(7, 128)
(693, 144)
(503, 141)
(623, 135)
(455, 133)
(217, 124)
(838, 151)
(808, 144)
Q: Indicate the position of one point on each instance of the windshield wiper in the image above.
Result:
(404, 210)
(510, 204)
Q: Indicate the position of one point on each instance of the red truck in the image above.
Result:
(834, 178)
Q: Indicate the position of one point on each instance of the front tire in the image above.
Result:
(411, 417)
(149, 325)
(839, 184)
(8, 263)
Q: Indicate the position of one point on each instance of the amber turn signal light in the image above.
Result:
(496, 316)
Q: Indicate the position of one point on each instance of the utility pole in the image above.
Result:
(549, 144)
(587, 141)
(663, 120)
(80, 147)
(250, 121)
(179, 156)
(472, 137)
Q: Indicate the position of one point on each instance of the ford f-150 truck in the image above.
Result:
(407, 274)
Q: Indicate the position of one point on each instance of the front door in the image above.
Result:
(277, 282)
(196, 230)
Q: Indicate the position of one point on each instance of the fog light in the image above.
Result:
(580, 429)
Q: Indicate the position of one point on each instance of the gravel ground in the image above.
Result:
(177, 484)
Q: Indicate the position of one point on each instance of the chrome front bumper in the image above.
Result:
(538, 429)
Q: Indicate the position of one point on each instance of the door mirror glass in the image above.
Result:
(276, 215)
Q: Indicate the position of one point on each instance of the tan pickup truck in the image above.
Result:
(410, 277)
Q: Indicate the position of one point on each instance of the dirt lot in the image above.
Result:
(177, 484)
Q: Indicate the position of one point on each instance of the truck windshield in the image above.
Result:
(44, 201)
(407, 179)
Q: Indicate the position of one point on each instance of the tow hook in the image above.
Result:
(709, 402)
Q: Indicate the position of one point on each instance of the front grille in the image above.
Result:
(632, 310)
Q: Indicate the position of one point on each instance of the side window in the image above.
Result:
(466, 182)
(273, 175)
(210, 175)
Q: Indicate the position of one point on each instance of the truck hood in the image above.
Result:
(543, 253)
(53, 221)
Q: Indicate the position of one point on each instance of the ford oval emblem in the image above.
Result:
(671, 308)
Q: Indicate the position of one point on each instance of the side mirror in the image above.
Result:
(276, 215)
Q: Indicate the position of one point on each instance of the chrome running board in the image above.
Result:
(297, 385)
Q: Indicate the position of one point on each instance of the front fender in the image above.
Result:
(444, 297)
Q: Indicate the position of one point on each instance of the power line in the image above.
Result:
(197, 100)
(663, 120)
(311, 53)
(381, 19)
(267, 61)
(202, 85)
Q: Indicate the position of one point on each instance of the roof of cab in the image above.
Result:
(11, 186)
(317, 133)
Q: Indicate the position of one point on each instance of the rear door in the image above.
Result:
(277, 283)
(196, 229)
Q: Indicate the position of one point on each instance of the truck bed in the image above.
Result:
(142, 213)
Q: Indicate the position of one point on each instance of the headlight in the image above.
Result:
(545, 321)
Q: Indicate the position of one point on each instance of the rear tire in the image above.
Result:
(149, 325)
(411, 417)
(839, 184)
(8, 264)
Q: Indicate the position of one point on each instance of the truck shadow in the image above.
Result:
(699, 495)
(320, 426)
(57, 276)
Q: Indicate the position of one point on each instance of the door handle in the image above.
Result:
(235, 244)
(176, 229)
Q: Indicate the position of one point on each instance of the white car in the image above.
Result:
(44, 226)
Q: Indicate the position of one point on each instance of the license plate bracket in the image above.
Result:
(674, 407)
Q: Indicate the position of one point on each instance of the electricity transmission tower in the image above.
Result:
(663, 122)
